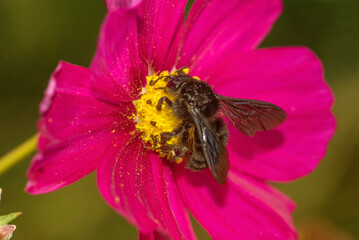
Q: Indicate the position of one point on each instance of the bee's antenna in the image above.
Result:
(181, 69)
(152, 83)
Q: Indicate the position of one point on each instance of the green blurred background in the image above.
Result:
(35, 35)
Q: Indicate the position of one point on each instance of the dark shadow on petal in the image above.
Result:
(262, 142)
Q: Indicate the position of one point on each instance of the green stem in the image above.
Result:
(16, 155)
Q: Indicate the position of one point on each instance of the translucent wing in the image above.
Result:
(215, 152)
(249, 116)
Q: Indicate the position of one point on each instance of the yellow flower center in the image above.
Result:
(152, 122)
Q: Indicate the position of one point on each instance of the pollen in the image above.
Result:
(150, 121)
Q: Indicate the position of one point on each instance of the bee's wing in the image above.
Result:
(249, 116)
(215, 152)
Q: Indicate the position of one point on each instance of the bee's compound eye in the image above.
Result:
(172, 85)
(175, 84)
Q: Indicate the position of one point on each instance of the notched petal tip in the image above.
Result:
(50, 91)
(37, 187)
(34, 187)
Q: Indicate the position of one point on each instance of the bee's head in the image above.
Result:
(176, 83)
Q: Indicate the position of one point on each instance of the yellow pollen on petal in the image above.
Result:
(150, 121)
(179, 161)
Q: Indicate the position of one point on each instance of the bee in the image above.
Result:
(198, 106)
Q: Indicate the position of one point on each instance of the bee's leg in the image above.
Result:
(160, 102)
(151, 148)
(177, 152)
(159, 88)
(166, 136)
(155, 140)
(185, 138)
(174, 151)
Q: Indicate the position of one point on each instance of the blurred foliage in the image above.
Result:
(35, 35)
(319, 229)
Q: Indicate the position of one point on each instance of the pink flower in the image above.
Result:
(87, 120)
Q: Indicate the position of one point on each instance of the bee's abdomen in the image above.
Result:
(197, 161)
(196, 165)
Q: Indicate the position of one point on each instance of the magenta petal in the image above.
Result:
(178, 208)
(217, 28)
(118, 182)
(67, 162)
(134, 183)
(69, 110)
(113, 5)
(152, 236)
(243, 208)
(117, 73)
(159, 21)
(291, 78)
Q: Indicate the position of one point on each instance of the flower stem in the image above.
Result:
(16, 155)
